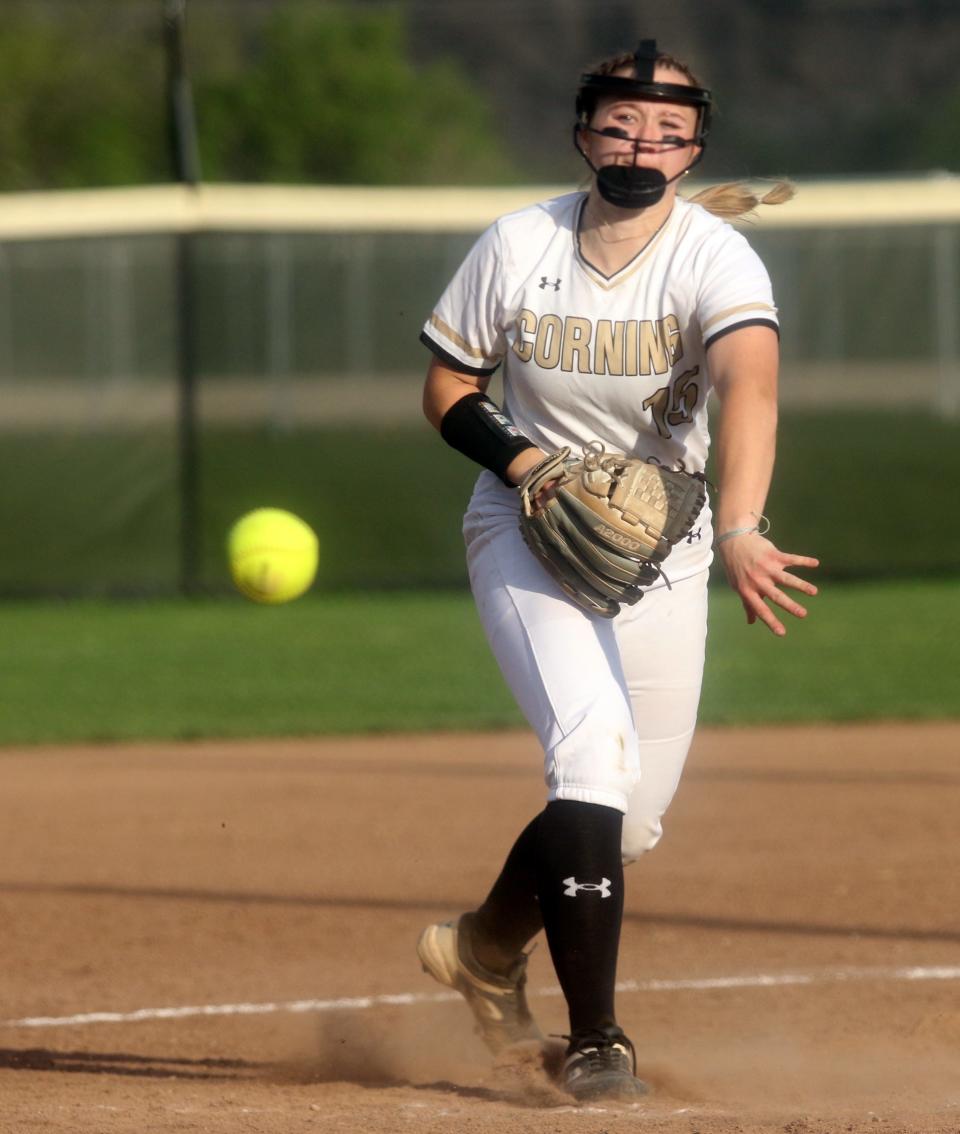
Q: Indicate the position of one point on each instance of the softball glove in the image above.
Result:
(609, 524)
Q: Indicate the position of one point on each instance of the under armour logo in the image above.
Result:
(695, 536)
(545, 283)
(573, 887)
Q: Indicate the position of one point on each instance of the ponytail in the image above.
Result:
(735, 199)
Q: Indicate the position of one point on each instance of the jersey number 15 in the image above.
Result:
(674, 405)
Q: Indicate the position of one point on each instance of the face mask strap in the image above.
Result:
(647, 183)
(645, 60)
(670, 142)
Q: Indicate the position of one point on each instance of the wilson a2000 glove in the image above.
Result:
(609, 523)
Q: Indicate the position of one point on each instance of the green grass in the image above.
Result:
(93, 670)
(867, 651)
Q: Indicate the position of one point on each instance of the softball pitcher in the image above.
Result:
(613, 312)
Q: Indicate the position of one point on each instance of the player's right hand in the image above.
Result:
(758, 571)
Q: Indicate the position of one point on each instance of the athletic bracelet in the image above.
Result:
(762, 527)
(478, 428)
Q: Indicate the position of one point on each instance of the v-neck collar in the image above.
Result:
(632, 265)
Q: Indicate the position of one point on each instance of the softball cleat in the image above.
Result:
(601, 1064)
(498, 1002)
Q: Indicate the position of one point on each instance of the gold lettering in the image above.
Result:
(671, 333)
(653, 347)
(630, 358)
(608, 347)
(546, 350)
(621, 347)
(526, 323)
(576, 341)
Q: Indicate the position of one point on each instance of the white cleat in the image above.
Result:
(498, 1002)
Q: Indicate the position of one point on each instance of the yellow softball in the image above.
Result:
(272, 555)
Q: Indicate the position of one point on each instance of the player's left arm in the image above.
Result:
(743, 367)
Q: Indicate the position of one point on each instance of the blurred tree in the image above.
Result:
(72, 117)
(304, 93)
(331, 96)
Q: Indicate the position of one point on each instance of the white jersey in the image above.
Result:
(587, 357)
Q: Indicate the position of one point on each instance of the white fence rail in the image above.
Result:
(310, 298)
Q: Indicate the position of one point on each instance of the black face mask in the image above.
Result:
(631, 186)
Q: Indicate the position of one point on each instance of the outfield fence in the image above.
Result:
(169, 356)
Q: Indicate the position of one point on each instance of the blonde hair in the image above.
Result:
(735, 199)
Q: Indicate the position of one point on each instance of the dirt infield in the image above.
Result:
(219, 937)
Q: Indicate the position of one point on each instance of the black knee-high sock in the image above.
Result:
(580, 886)
(510, 916)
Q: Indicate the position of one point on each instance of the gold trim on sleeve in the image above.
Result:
(735, 311)
(458, 340)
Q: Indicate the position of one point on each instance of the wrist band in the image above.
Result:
(762, 527)
(477, 427)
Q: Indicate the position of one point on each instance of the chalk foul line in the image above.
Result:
(407, 999)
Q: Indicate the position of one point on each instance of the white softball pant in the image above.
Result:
(613, 701)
